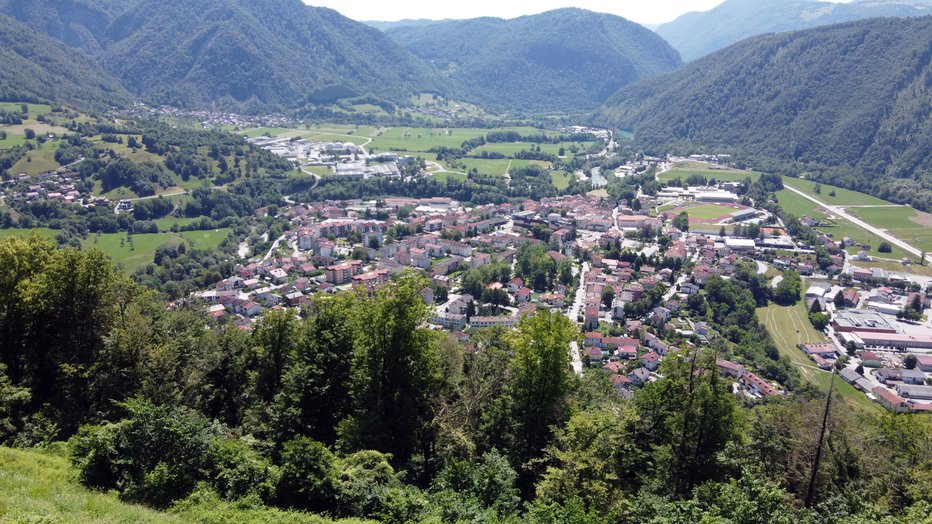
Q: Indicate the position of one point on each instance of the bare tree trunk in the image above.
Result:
(818, 456)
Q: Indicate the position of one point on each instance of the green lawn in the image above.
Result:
(708, 211)
(142, 250)
(790, 326)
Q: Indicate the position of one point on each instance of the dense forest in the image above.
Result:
(698, 34)
(562, 60)
(356, 409)
(36, 68)
(791, 103)
(253, 55)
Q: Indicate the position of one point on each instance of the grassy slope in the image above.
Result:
(36, 487)
(41, 487)
(790, 326)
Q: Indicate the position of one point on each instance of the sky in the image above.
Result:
(649, 12)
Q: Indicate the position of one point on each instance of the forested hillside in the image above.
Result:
(36, 68)
(568, 59)
(698, 34)
(264, 55)
(849, 103)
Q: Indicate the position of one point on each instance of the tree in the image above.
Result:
(819, 320)
(816, 306)
(315, 394)
(831, 193)
(540, 382)
(860, 369)
(30, 134)
(681, 221)
(12, 400)
(884, 247)
(839, 299)
(692, 413)
(817, 188)
(608, 296)
(788, 290)
(308, 476)
(395, 373)
(910, 361)
(595, 459)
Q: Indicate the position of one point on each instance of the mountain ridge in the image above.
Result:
(791, 100)
(562, 60)
(36, 68)
(700, 33)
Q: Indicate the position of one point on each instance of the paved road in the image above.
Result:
(840, 211)
(573, 312)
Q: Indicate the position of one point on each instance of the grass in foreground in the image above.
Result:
(40, 487)
(37, 486)
(789, 326)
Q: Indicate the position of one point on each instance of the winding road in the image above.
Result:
(840, 211)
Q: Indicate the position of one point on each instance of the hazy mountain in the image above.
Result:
(274, 53)
(408, 22)
(851, 101)
(568, 59)
(34, 67)
(700, 33)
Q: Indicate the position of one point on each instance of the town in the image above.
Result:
(625, 271)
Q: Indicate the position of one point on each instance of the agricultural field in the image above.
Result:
(424, 138)
(443, 176)
(843, 197)
(499, 167)
(903, 222)
(39, 160)
(34, 109)
(136, 254)
(789, 326)
(837, 227)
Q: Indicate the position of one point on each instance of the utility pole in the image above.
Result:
(818, 456)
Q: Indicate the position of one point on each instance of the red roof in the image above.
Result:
(650, 358)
